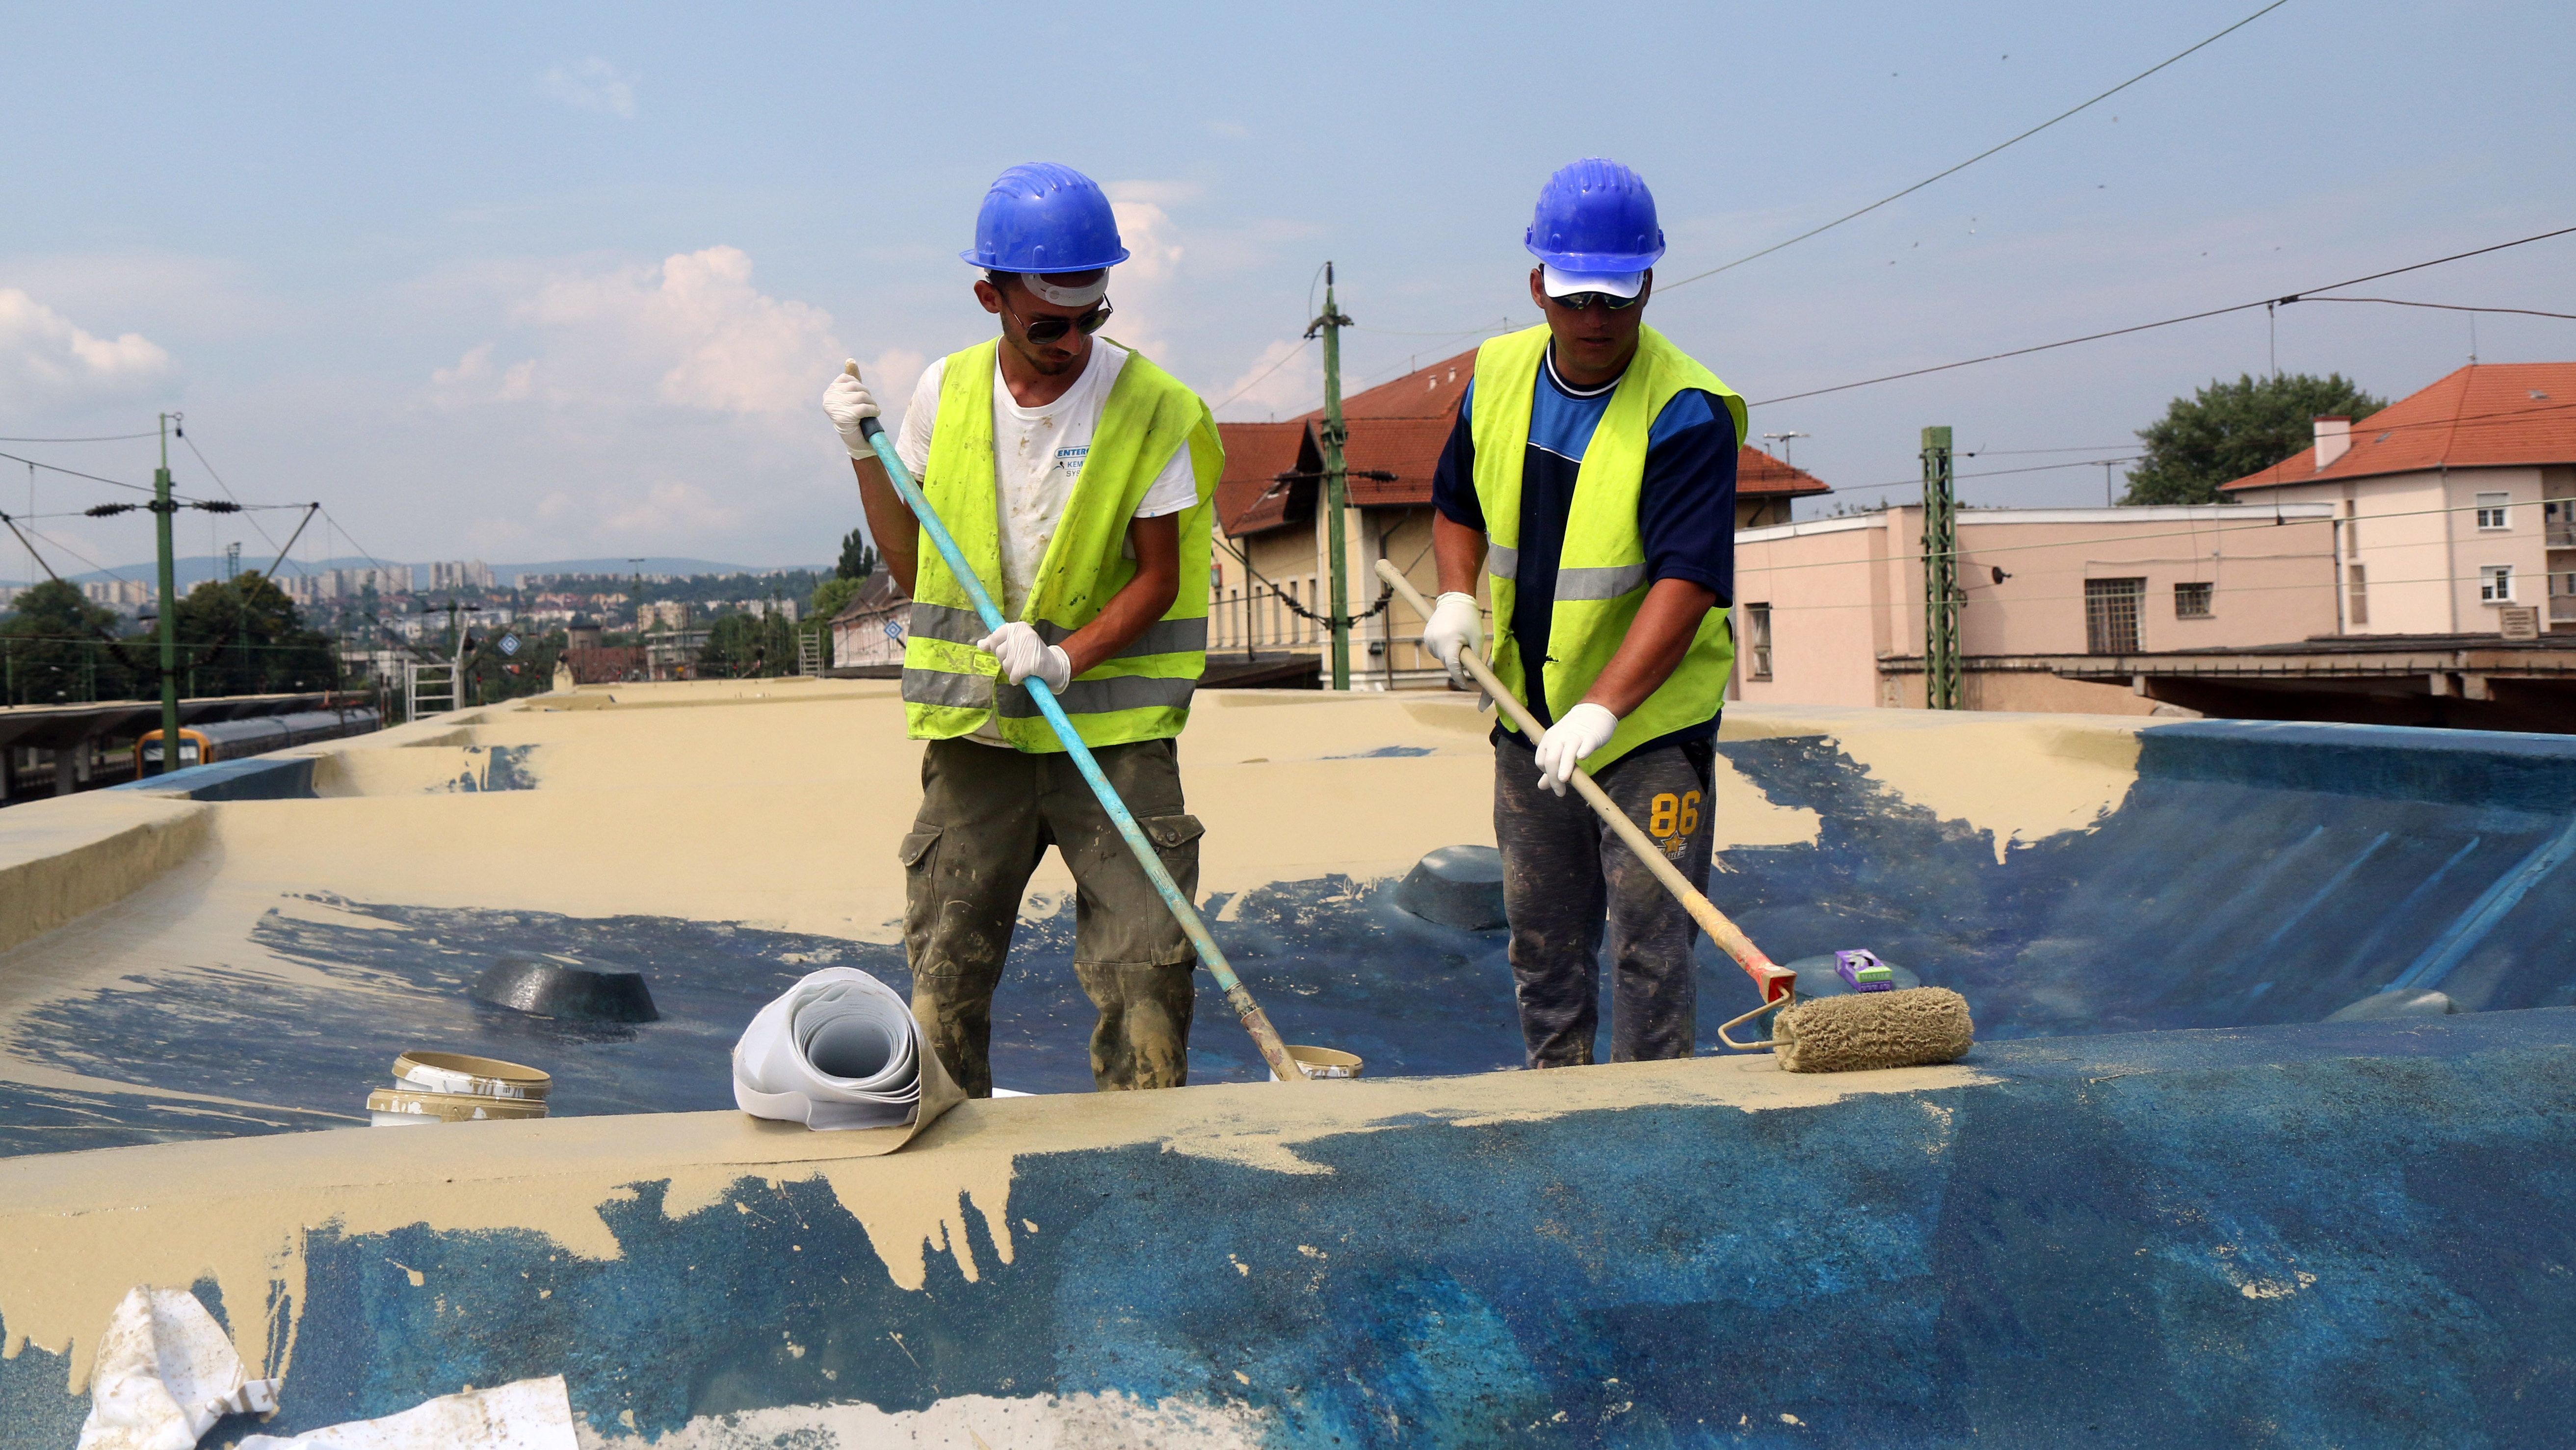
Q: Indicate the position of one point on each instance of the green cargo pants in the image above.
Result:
(987, 817)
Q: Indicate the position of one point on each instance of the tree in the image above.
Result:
(741, 644)
(858, 557)
(243, 636)
(53, 651)
(492, 676)
(2228, 430)
(832, 596)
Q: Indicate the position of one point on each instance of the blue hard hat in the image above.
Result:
(1596, 216)
(1045, 218)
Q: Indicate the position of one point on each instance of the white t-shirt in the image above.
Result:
(1036, 454)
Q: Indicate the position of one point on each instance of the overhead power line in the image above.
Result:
(2442, 306)
(2304, 296)
(1980, 156)
(100, 438)
(1265, 373)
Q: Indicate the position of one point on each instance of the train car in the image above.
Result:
(233, 739)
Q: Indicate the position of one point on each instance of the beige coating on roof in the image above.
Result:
(780, 804)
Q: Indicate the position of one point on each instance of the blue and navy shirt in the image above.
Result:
(1685, 505)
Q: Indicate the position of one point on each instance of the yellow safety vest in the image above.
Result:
(1143, 693)
(1601, 574)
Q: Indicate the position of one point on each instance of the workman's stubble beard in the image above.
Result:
(1049, 360)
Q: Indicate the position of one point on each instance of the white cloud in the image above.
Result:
(1142, 286)
(891, 377)
(473, 380)
(1286, 379)
(692, 332)
(42, 351)
(591, 84)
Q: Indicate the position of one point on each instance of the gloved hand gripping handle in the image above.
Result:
(1255, 1021)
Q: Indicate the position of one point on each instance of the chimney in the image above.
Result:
(2334, 438)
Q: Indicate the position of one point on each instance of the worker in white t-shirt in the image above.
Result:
(1077, 478)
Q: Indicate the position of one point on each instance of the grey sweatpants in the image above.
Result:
(1565, 875)
(987, 816)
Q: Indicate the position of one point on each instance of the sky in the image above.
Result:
(522, 283)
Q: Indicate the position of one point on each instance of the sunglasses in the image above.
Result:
(1043, 330)
(1577, 301)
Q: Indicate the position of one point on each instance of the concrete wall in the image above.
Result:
(1843, 592)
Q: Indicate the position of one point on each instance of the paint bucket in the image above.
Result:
(466, 1075)
(403, 1108)
(1323, 1064)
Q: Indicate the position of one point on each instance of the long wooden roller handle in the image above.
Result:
(1775, 981)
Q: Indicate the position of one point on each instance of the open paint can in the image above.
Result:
(457, 1072)
(403, 1108)
(1323, 1064)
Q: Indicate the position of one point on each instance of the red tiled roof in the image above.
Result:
(1760, 474)
(1428, 392)
(2486, 415)
(1255, 455)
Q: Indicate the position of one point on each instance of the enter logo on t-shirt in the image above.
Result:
(1070, 459)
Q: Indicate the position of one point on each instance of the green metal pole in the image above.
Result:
(1336, 482)
(1940, 575)
(162, 509)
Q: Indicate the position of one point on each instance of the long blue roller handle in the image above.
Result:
(1255, 1021)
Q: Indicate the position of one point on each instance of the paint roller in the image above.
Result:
(1874, 1025)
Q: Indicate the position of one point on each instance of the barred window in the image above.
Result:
(2111, 615)
(2191, 600)
(1757, 630)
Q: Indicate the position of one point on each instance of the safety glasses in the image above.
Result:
(1043, 330)
(1577, 301)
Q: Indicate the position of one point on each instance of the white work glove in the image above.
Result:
(1455, 623)
(846, 402)
(1023, 654)
(1583, 730)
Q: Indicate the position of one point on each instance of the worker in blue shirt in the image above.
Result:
(1590, 483)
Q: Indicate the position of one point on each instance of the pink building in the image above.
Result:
(2457, 503)
(1831, 611)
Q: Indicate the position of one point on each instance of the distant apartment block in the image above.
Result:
(124, 594)
(667, 613)
(327, 584)
(460, 574)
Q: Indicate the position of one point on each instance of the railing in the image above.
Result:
(2561, 536)
(2562, 608)
(1266, 617)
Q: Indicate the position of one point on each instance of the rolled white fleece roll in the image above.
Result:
(838, 1050)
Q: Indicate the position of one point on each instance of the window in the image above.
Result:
(2493, 510)
(2111, 615)
(1757, 632)
(2191, 601)
(2356, 595)
(2495, 584)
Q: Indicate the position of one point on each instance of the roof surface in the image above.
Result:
(2485, 415)
(1397, 427)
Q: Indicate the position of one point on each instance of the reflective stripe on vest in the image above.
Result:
(1601, 575)
(950, 688)
(965, 626)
